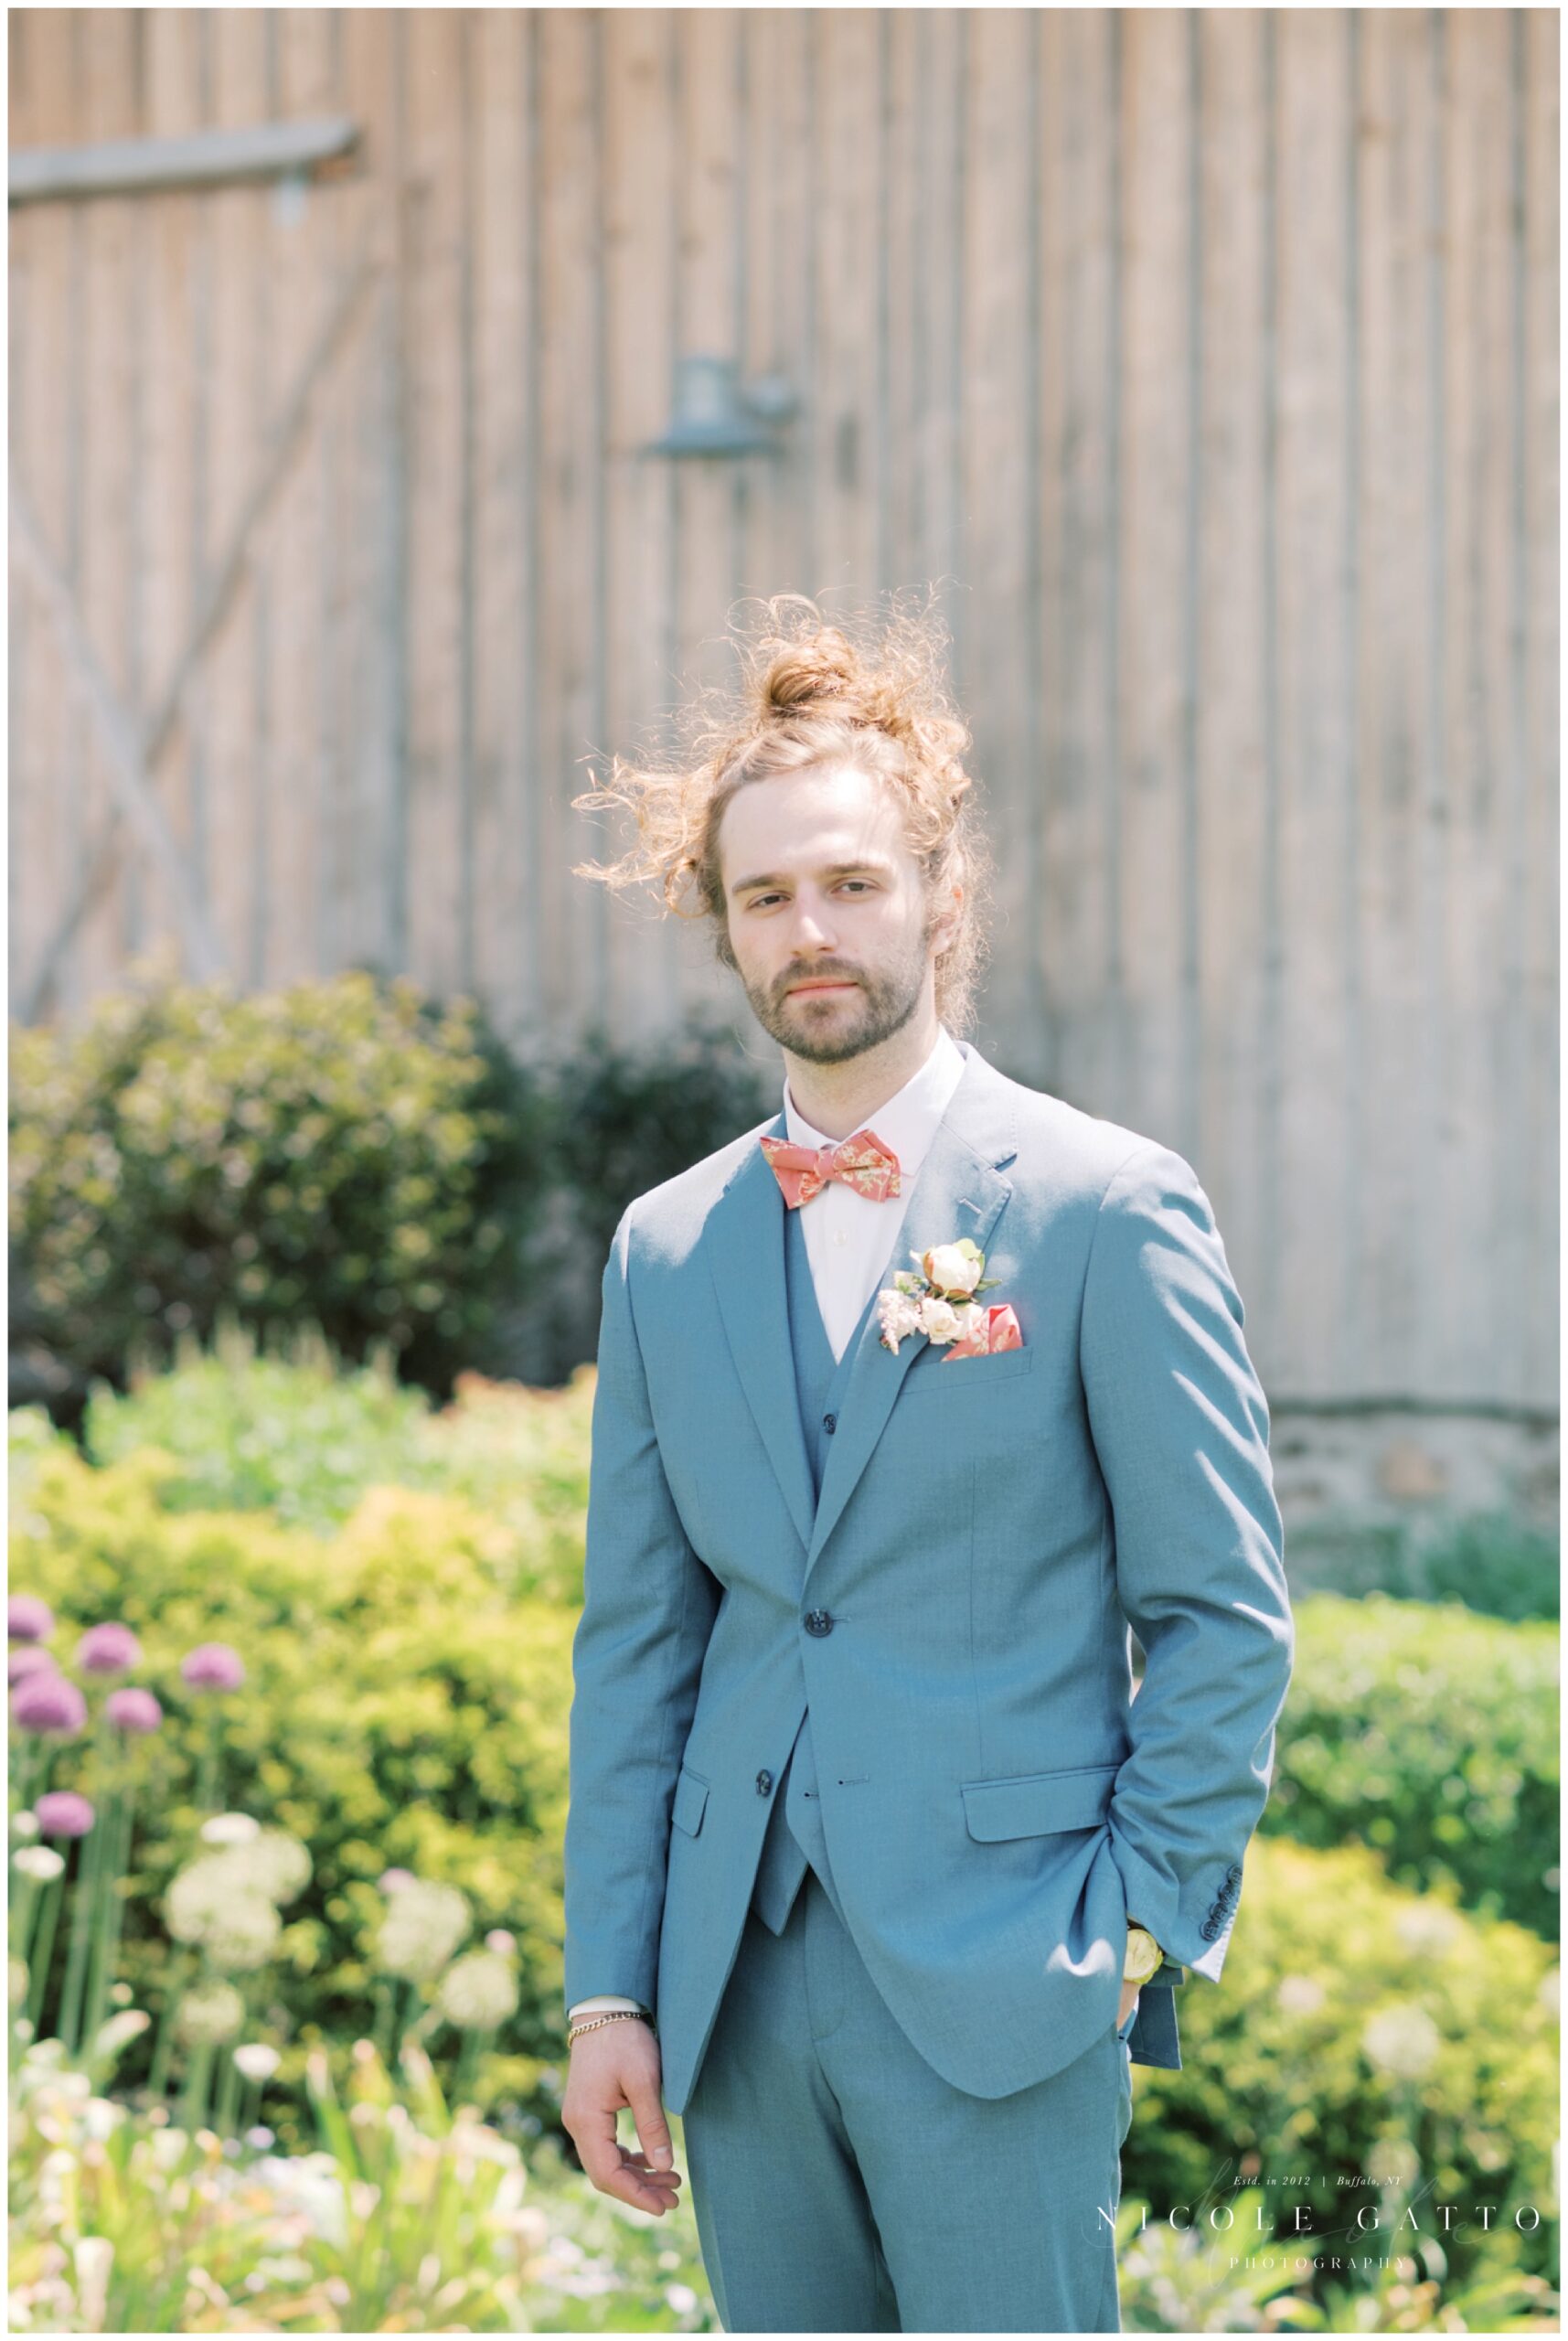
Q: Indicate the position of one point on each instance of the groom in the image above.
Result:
(877, 1871)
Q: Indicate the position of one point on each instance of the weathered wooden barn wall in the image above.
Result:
(1209, 358)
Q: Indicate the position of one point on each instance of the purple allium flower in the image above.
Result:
(49, 1703)
(108, 1649)
(27, 1658)
(132, 1709)
(62, 1813)
(392, 1880)
(28, 1618)
(213, 1666)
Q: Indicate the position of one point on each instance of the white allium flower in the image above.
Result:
(1404, 2040)
(257, 2059)
(24, 1822)
(1429, 1929)
(479, 1992)
(230, 1829)
(1301, 1995)
(421, 1929)
(94, 2258)
(210, 2014)
(37, 1862)
(276, 1864)
(16, 1981)
(212, 1901)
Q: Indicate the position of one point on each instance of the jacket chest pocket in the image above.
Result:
(935, 1375)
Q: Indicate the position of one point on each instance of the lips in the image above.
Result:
(829, 983)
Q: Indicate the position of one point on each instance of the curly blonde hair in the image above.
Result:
(812, 693)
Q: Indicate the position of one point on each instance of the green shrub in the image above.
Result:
(304, 1441)
(1491, 1561)
(1360, 2035)
(633, 1116)
(342, 1154)
(1429, 1734)
(405, 1704)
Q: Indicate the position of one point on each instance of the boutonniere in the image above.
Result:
(941, 1302)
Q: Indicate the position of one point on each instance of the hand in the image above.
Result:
(1128, 2002)
(620, 2065)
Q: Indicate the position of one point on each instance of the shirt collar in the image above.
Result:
(908, 1122)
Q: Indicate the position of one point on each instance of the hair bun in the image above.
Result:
(824, 668)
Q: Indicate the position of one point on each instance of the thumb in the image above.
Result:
(653, 2130)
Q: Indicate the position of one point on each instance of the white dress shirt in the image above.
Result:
(850, 1239)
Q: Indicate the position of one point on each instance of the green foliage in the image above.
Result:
(343, 1153)
(633, 1117)
(1367, 2047)
(303, 1443)
(405, 1704)
(1431, 1734)
(408, 2215)
(1493, 1561)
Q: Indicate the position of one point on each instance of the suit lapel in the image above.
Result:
(745, 1239)
(958, 1191)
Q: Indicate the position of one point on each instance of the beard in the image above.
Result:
(841, 1025)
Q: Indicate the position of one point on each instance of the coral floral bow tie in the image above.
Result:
(862, 1160)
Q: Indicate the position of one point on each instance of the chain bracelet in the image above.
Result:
(612, 2015)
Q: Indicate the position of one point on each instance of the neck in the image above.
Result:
(837, 1098)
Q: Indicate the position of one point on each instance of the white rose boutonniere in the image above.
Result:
(941, 1302)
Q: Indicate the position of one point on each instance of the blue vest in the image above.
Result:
(793, 1836)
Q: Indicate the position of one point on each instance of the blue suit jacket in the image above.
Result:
(996, 1798)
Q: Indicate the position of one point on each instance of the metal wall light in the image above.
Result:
(715, 414)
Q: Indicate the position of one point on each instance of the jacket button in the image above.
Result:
(818, 1621)
(764, 1781)
(829, 1422)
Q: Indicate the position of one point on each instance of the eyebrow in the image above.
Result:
(834, 870)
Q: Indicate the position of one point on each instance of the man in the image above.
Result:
(864, 1812)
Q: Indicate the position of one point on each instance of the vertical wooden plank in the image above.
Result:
(166, 390)
(708, 323)
(1486, 966)
(847, 458)
(568, 455)
(373, 879)
(938, 199)
(1233, 876)
(997, 475)
(778, 321)
(104, 237)
(436, 134)
(1313, 421)
(643, 949)
(1081, 427)
(20, 637)
(1150, 963)
(1540, 521)
(297, 220)
(42, 838)
(236, 236)
(504, 773)
(1393, 747)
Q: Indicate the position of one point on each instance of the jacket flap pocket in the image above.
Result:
(1033, 1803)
(690, 1796)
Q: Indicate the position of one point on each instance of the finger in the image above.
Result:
(653, 2130)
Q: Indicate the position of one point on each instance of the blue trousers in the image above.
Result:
(841, 2185)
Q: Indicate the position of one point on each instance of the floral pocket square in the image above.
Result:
(941, 1302)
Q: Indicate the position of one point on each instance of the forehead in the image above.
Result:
(806, 820)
